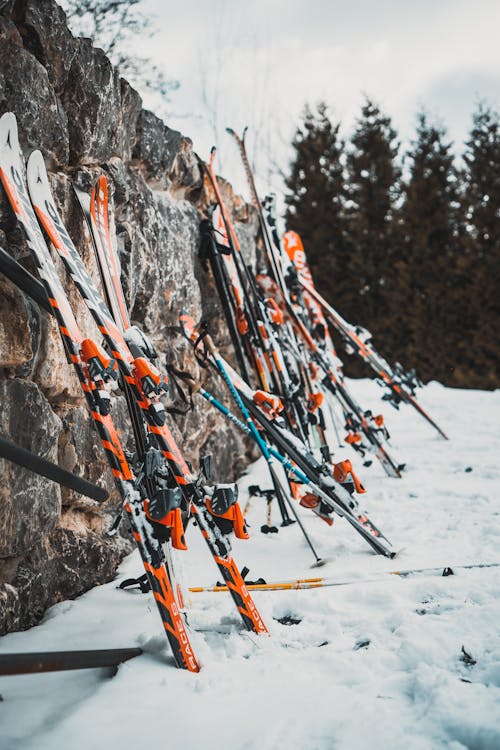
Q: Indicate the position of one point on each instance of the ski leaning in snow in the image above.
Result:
(92, 367)
(245, 331)
(215, 249)
(358, 341)
(212, 506)
(358, 422)
(304, 467)
(300, 584)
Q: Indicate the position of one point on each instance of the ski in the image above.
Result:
(281, 349)
(245, 324)
(358, 341)
(357, 420)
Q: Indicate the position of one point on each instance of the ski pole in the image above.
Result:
(315, 583)
(334, 423)
(55, 473)
(251, 429)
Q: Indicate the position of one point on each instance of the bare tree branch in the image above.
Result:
(111, 24)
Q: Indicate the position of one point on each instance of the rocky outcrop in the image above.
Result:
(72, 104)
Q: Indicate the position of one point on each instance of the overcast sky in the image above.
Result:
(256, 62)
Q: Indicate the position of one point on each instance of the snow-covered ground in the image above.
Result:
(375, 665)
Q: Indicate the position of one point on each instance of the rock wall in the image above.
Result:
(72, 104)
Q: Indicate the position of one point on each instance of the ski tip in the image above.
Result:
(8, 131)
(36, 157)
(8, 120)
(35, 167)
(102, 185)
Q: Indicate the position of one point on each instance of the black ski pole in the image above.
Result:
(44, 468)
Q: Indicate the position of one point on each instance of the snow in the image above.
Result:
(375, 664)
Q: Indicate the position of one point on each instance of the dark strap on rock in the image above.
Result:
(24, 280)
(175, 375)
(201, 355)
(203, 332)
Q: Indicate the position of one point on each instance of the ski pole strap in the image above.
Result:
(24, 280)
(201, 354)
(44, 468)
(209, 237)
(175, 376)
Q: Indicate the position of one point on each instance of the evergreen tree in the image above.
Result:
(480, 265)
(315, 200)
(431, 249)
(373, 183)
(416, 261)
